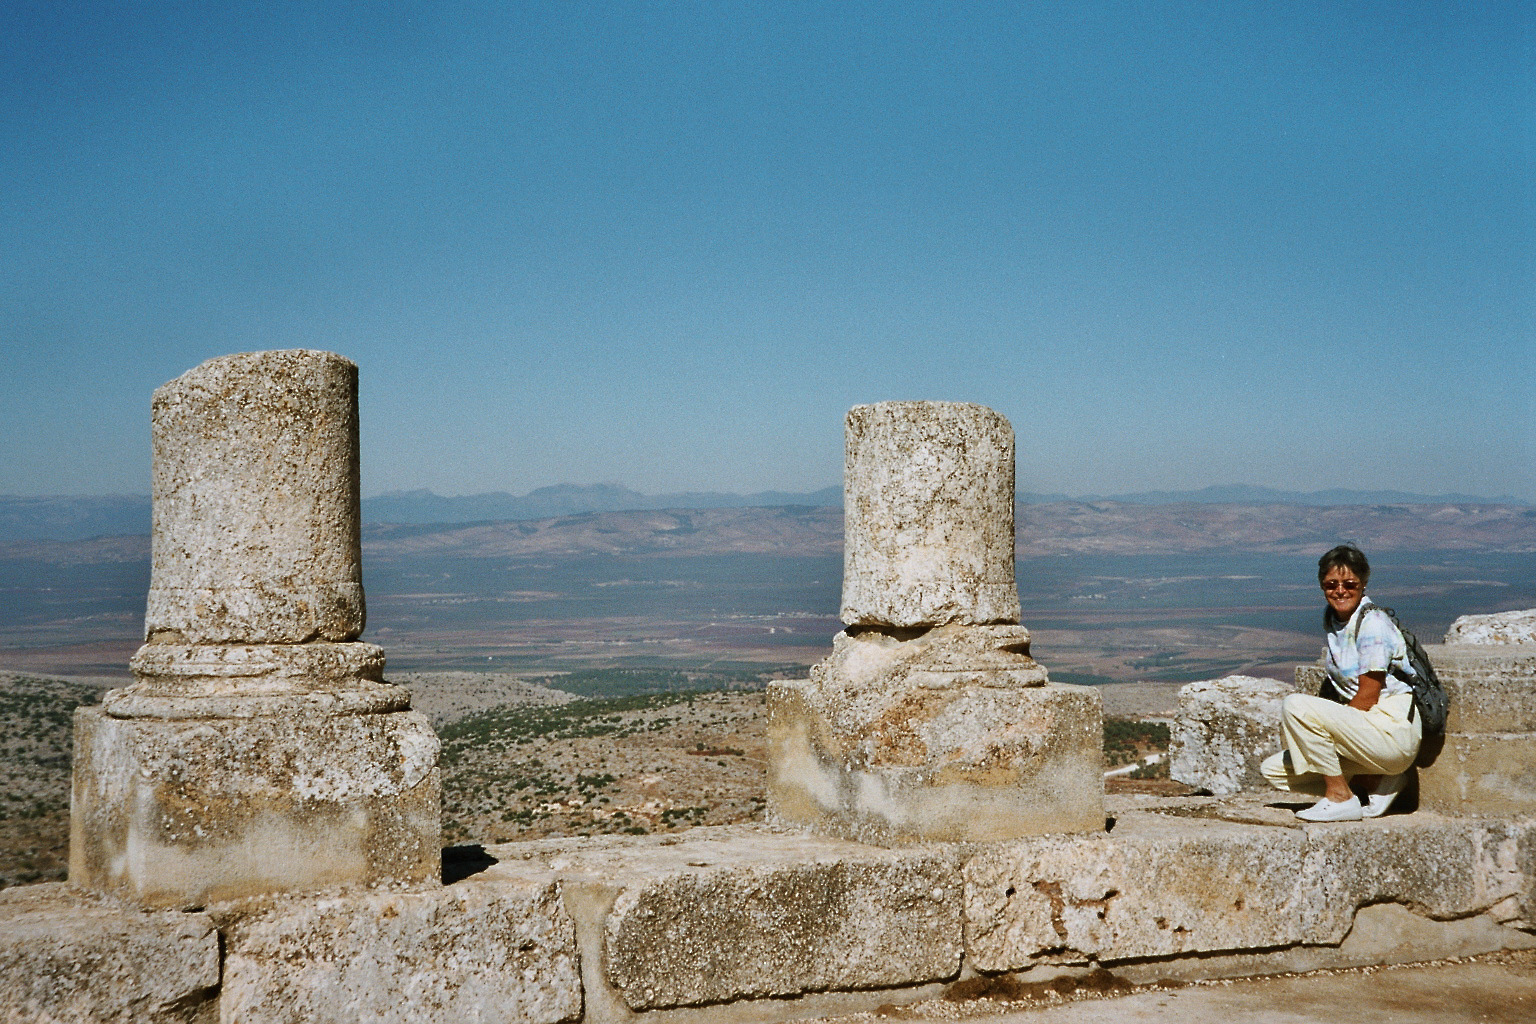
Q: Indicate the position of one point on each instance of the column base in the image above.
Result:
(951, 736)
(184, 812)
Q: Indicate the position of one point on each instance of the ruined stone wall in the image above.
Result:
(750, 923)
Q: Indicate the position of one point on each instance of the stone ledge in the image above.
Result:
(67, 956)
(1173, 887)
(749, 923)
(733, 913)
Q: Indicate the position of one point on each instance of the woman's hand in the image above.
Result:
(1370, 690)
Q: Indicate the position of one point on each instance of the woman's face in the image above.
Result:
(1343, 591)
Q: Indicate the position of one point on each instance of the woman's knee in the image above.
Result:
(1300, 703)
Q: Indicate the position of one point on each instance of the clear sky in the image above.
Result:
(668, 244)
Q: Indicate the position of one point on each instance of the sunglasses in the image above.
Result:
(1347, 586)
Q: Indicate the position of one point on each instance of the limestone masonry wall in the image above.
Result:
(754, 923)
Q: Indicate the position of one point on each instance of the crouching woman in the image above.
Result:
(1374, 737)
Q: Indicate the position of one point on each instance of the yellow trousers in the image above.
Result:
(1324, 738)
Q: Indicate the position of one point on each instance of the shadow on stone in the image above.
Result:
(459, 862)
(1008, 988)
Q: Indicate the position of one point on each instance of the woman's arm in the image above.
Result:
(1370, 690)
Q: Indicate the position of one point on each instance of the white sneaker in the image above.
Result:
(1329, 810)
(1381, 797)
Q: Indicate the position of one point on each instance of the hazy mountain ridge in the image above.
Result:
(1061, 528)
(64, 518)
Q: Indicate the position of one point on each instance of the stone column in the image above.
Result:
(930, 720)
(259, 748)
(928, 514)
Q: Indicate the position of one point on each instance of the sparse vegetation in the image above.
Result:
(1127, 740)
(616, 764)
(36, 738)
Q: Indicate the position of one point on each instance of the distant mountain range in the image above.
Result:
(1048, 529)
(68, 518)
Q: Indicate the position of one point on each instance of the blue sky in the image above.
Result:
(668, 245)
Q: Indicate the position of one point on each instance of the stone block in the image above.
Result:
(1309, 678)
(256, 507)
(472, 951)
(181, 813)
(900, 741)
(1223, 730)
(1492, 688)
(717, 915)
(1514, 627)
(1490, 775)
(1151, 888)
(1165, 886)
(1439, 868)
(68, 957)
(928, 507)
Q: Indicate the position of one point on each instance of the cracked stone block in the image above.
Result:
(1223, 729)
(1440, 868)
(717, 915)
(70, 957)
(473, 951)
(1513, 627)
(953, 734)
(1179, 886)
(182, 813)
(1162, 885)
(928, 507)
(256, 504)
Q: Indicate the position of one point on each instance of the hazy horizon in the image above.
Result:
(1178, 244)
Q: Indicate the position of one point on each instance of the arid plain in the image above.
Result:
(602, 672)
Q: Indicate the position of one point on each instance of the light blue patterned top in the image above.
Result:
(1376, 647)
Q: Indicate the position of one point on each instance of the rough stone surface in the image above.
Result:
(1492, 689)
(1436, 867)
(1174, 887)
(1481, 775)
(1161, 886)
(953, 735)
(256, 506)
(928, 506)
(248, 680)
(473, 951)
(1486, 762)
(67, 957)
(185, 812)
(734, 913)
(1516, 627)
(1309, 678)
(1223, 730)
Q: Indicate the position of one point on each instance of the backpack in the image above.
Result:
(1429, 697)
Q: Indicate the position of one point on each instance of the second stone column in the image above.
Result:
(930, 720)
